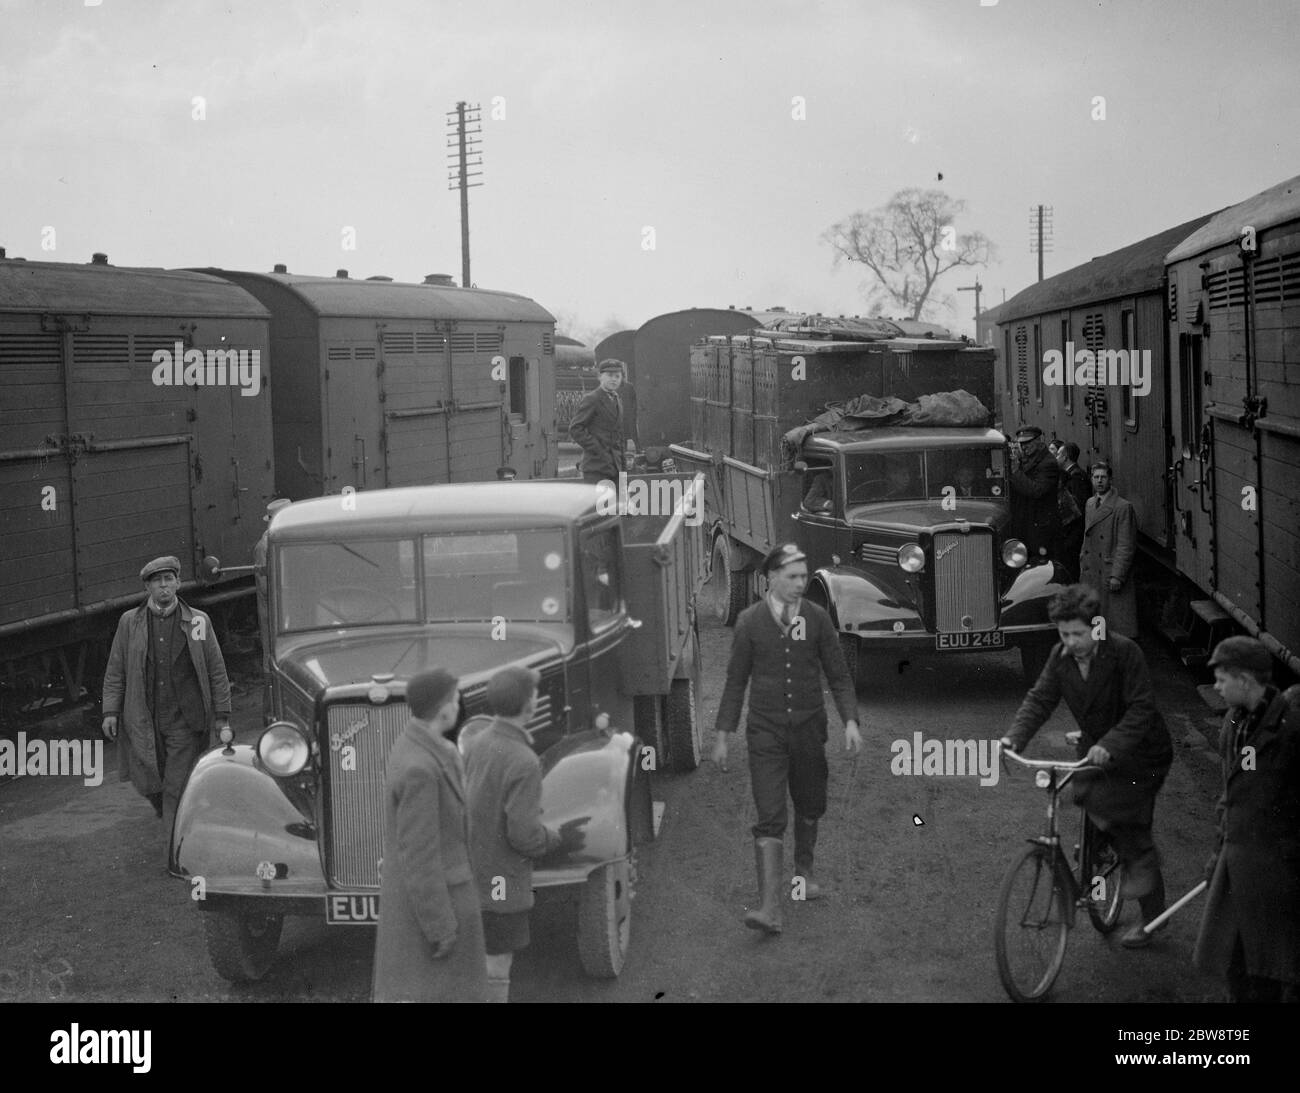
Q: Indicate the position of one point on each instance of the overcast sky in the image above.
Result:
(674, 115)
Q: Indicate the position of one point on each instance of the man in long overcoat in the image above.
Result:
(1109, 548)
(1107, 687)
(1250, 933)
(1033, 483)
(166, 685)
(598, 426)
(430, 942)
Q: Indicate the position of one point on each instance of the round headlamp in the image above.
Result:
(283, 749)
(1014, 553)
(911, 558)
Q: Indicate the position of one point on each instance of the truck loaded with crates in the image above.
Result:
(875, 454)
(369, 589)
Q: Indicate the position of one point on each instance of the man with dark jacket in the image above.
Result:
(1250, 934)
(1072, 496)
(166, 682)
(782, 646)
(597, 425)
(430, 942)
(1107, 687)
(503, 790)
(1034, 477)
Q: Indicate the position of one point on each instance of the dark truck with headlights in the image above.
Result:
(594, 591)
(905, 526)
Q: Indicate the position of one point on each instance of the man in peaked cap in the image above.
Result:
(264, 628)
(783, 645)
(166, 685)
(598, 426)
(1250, 933)
(1034, 480)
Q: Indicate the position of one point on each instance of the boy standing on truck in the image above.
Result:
(783, 645)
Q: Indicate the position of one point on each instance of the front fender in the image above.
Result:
(233, 816)
(586, 774)
(858, 603)
(1024, 604)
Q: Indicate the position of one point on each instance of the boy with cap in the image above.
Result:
(166, 682)
(782, 646)
(1250, 933)
(598, 426)
(503, 791)
(430, 942)
(1033, 482)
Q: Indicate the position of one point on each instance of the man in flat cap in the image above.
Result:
(429, 947)
(166, 685)
(264, 627)
(598, 426)
(782, 647)
(1033, 483)
(1250, 933)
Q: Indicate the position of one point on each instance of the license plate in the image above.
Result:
(983, 639)
(342, 909)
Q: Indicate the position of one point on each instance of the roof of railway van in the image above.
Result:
(1137, 268)
(416, 509)
(99, 289)
(347, 297)
(1277, 205)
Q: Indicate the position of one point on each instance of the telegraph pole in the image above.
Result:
(1040, 224)
(465, 141)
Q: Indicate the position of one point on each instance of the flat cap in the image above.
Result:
(610, 364)
(1242, 652)
(272, 507)
(785, 554)
(161, 565)
(427, 692)
(1028, 432)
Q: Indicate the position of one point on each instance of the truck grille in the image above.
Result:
(964, 585)
(356, 819)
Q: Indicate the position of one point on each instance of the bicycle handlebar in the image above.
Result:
(1045, 764)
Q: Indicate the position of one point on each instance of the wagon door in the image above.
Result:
(353, 437)
(478, 421)
(417, 449)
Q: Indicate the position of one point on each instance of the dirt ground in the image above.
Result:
(90, 914)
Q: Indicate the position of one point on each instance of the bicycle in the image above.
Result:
(1041, 894)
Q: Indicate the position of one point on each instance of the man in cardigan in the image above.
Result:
(166, 682)
(782, 646)
(1106, 685)
(503, 792)
(1250, 934)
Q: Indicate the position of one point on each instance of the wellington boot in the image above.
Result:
(805, 842)
(767, 859)
(498, 989)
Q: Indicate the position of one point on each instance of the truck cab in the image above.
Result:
(367, 589)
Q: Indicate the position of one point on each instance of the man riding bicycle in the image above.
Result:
(1105, 683)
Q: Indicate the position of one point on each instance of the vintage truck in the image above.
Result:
(906, 528)
(595, 593)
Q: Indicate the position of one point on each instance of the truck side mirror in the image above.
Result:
(210, 569)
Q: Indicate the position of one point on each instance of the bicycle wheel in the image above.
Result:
(1032, 926)
(1099, 875)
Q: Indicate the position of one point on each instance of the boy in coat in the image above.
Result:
(1107, 687)
(1250, 933)
(166, 684)
(430, 942)
(503, 787)
(1109, 547)
(598, 426)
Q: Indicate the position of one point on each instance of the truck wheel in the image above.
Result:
(728, 591)
(682, 722)
(647, 717)
(241, 944)
(605, 920)
(1033, 656)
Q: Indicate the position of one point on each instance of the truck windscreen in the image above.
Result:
(913, 476)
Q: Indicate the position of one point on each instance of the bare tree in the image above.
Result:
(908, 244)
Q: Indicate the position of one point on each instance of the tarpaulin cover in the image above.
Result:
(946, 409)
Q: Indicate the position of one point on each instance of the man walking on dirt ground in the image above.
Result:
(782, 646)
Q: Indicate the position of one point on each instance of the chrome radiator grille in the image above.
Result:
(964, 585)
(356, 796)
